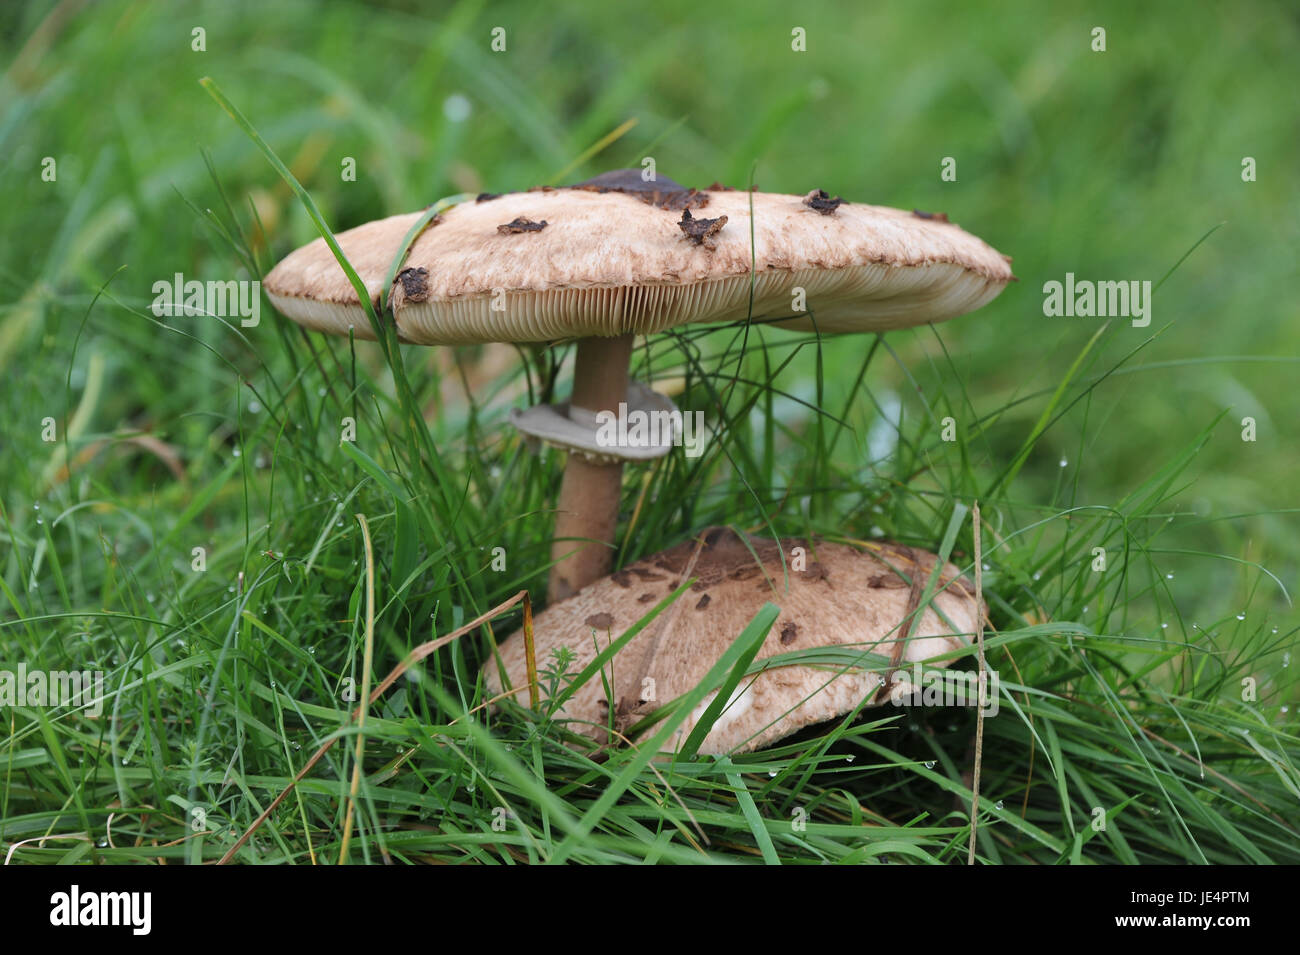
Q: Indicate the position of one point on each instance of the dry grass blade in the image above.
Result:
(367, 661)
(982, 682)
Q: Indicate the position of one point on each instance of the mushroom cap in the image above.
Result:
(617, 255)
(844, 597)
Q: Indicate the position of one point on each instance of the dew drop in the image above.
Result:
(929, 764)
(1064, 462)
(1286, 659)
(772, 773)
(311, 650)
(998, 804)
(236, 453)
(1164, 626)
(1241, 616)
(849, 759)
(1169, 576)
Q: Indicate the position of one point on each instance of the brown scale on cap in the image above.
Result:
(932, 216)
(681, 645)
(820, 201)
(701, 231)
(521, 224)
(600, 621)
(415, 284)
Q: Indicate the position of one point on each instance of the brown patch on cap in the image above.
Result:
(886, 580)
(814, 571)
(521, 224)
(622, 578)
(487, 196)
(645, 573)
(701, 231)
(661, 192)
(819, 201)
(934, 217)
(600, 621)
(646, 597)
(415, 284)
(788, 632)
(703, 602)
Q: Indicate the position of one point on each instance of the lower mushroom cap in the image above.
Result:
(842, 597)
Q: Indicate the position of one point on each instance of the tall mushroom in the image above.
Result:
(617, 256)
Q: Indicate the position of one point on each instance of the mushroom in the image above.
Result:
(615, 257)
(864, 601)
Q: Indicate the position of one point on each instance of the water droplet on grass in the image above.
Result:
(998, 805)
(929, 764)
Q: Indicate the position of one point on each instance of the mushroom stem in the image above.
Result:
(589, 493)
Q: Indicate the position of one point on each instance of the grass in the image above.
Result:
(1123, 694)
